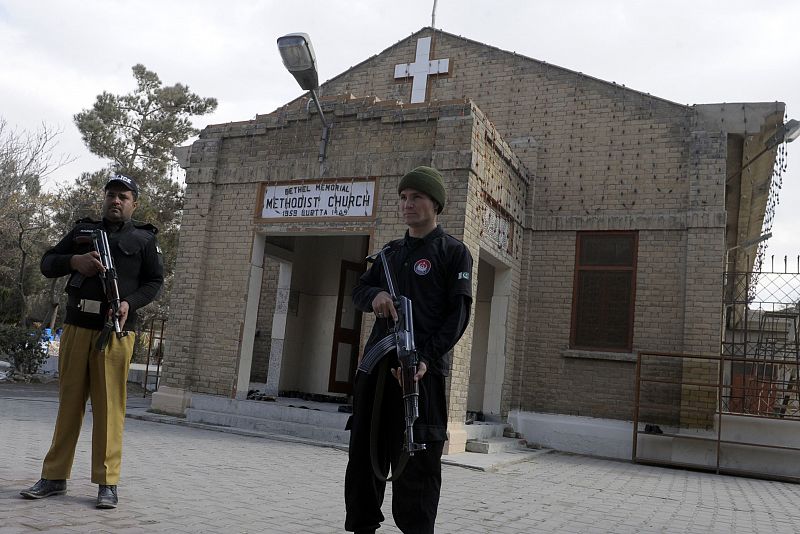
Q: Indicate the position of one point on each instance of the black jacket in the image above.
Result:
(434, 272)
(137, 259)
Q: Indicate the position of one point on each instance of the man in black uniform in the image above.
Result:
(84, 371)
(433, 270)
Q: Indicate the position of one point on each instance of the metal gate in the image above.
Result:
(760, 342)
(737, 411)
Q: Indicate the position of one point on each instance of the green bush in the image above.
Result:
(21, 348)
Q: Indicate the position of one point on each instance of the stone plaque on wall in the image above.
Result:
(497, 227)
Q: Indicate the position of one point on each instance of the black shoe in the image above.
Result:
(45, 488)
(107, 496)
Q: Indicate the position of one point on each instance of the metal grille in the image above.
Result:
(737, 411)
(760, 348)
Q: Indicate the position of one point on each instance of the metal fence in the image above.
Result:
(736, 412)
(155, 354)
(760, 342)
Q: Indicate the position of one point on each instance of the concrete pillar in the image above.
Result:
(496, 353)
(250, 317)
(278, 329)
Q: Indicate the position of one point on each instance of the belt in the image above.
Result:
(85, 305)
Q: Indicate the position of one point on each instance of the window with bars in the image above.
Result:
(604, 291)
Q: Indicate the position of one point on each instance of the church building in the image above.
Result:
(598, 217)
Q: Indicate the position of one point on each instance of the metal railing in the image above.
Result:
(156, 341)
(697, 409)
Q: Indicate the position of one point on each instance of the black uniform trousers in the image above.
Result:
(415, 494)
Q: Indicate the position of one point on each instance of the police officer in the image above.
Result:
(84, 371)
(434, 270)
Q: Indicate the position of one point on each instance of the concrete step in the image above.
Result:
(283, 409)
(286, 416)
(484, 430)
(321, 422)
(310, 431)
(495, 445)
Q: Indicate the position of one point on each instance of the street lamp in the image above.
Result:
(298, 58)
(786, 133)
(749, 243)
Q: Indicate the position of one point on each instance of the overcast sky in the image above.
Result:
(56, 56)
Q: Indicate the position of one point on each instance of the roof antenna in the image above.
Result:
(433, 15)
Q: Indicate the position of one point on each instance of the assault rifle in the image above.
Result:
(401, 338)
(109, 278)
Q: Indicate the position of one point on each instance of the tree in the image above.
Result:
(26, 158)
(22, 348)
(137, 132)
(77, 200)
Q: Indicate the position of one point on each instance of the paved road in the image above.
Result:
(180, 479)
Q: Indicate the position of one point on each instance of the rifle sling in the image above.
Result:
(375, 426)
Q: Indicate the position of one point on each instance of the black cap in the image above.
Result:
(125, 182)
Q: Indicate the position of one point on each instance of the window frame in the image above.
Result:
(604, 268)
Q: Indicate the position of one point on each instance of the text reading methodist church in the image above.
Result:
(319, 200)
(599, 218)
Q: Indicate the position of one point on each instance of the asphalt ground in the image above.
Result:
(177, 478)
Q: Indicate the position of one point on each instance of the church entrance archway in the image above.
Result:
(488, 358)
(306, 333)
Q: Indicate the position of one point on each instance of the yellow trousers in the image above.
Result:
(84, 373)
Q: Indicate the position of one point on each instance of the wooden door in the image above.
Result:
(347, 331)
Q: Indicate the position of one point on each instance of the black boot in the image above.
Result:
(45, 488)
(107, 496)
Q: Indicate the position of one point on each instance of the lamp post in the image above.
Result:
(747, 244)
(786, 133)
(299, 59)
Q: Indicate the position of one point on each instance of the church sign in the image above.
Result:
(294, 200)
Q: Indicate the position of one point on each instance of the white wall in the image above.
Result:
(309, 334)
(480, 337)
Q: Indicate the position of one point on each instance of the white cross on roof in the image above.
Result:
(422, 67)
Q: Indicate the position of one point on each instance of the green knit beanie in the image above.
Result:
(427, 180)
